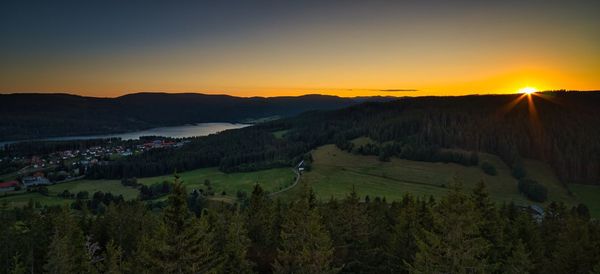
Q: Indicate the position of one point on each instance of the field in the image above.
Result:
(271, 180)
(22, 199)
(279, 134)
(113, 186)
(335, 173)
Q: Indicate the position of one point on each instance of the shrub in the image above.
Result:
(489, 169)
(130, 182)
(533, 190)
(474, 158)
(518, 172)
(83, 195)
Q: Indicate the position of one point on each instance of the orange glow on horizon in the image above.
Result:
(528, 90)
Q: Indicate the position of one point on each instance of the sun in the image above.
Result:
(528, 90)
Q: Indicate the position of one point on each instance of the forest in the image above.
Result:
(32, 116)
(462, 232)
(560, 128)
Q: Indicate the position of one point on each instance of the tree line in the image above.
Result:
(462, 232)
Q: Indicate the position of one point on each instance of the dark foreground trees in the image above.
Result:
(463, 232)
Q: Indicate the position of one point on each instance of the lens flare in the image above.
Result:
(528, 90)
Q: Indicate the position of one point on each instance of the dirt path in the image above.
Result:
(289, 187)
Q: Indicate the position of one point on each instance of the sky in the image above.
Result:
(274, 48)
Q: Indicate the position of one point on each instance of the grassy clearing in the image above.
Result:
(280, 133)
(270, 180)
(113, 186)
(543, 174)
(335, 172)
(361, 141)
(22, 199)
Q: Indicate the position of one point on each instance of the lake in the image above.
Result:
(201, 129)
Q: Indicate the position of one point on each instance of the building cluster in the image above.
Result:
(71, 163)
(35, 179)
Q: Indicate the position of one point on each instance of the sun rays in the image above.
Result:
(528, 90)
(531, 95)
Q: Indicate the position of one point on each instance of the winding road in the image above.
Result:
(291, 186)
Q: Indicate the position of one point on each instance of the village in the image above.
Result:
(67, 165)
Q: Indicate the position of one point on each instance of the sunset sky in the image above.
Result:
(272, 48)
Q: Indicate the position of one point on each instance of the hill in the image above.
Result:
(27, 116)
(559, 129)
(335, 173)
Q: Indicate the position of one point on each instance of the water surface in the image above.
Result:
(202, 129)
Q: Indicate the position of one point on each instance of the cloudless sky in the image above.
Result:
(269, 48)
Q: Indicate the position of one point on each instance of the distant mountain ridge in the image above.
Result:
(41, 115)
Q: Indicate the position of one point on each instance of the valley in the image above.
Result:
(335, 173)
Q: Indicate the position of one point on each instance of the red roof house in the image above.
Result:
(9, 184)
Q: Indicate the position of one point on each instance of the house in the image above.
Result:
(535, 211)
(8, 186)
(35, 181)
(300, 166)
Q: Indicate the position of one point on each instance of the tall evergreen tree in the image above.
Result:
(113, 259)
(354, 235)
(305, 243)
(17, 266)
(454, 244)
(188, 240)
(236, 247)
(574, 252)
(67, 251)
(518, 262)
(261, 221)
(402, 244)
(491, 225)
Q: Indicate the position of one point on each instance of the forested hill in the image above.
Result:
(560, 128)
(26, 116)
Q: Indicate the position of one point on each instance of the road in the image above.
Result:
(291, 186)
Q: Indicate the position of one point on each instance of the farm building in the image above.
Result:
(8, 186)
(35, 181)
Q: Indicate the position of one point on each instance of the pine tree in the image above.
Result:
(521, 226)
(402, 244)
(354, 234)
(67, 251)
(236, 246)
(518, 262)
(454, 244)
(113, 259)
(491, 225)
(147, 257)
(187, 246)
(574, 252)
(261, 220)
(380, 222)
(305, 244)
(17, 266)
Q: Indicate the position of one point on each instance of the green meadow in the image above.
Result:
(230, 183)
(335, 173)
